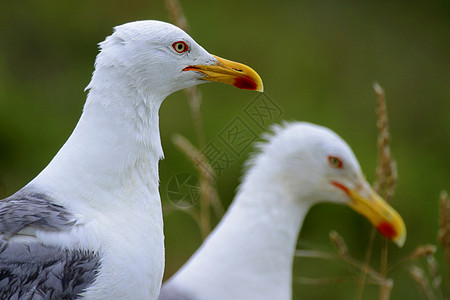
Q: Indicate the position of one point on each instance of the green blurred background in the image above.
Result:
(318, 60)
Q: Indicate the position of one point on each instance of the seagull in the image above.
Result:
(90, 225)
(250, 253)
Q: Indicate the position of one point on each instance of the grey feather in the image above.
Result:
(28, 208)
(34, 271)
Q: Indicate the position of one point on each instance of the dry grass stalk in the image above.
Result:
(429, 281)
(195, 156)
(433, 270)
(176, 14)
(385, 284)
(419, 252)
(386, 288)
(421, 279)
(325, 280)
(444, 236)
(209, 196)
(423, 251)
(168, 209)
(339, 243)
(385, 291)
(444, 228)
(386, 175)
(386, 172)
(366, 266)
(374, 276)
(386, 179)
(208, 193)
(193, 93)
(195, 101)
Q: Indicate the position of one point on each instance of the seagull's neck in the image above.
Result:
(106, 174)
(114, 148)
(250, 253)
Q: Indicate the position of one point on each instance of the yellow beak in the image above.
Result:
(369, 204)
(230, 72)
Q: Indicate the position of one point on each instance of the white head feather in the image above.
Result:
(141, 54)
(106, 174)
(249, 255)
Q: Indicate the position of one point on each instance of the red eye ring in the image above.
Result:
(335, 161)
(180, 46)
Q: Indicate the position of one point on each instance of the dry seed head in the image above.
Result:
(420, 278)
(386, 172)
(422, 251)
(433, 270)
(339, 243)
(444, 230)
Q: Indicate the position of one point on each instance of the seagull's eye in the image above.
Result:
(335, 162)
(180, 47)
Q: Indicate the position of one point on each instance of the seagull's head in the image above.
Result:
(316, 165)
(160, 57)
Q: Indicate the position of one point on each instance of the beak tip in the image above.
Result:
(388, 222)
(400, 241)
(394, 231)
(259, 88)
(230, 72)
(249, 83)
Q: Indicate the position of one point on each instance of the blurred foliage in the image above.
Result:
(318, 60)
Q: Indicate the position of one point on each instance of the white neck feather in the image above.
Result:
(107, 174)
(115, 141)
(250, 253)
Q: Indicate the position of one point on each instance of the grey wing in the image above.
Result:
(171, 292)
(29, 208)
(34, 271)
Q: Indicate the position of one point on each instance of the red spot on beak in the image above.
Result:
(387, 230)
(341, 186)
(246, 83)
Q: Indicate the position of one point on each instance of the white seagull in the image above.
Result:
(249, 255)
(90, 225)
